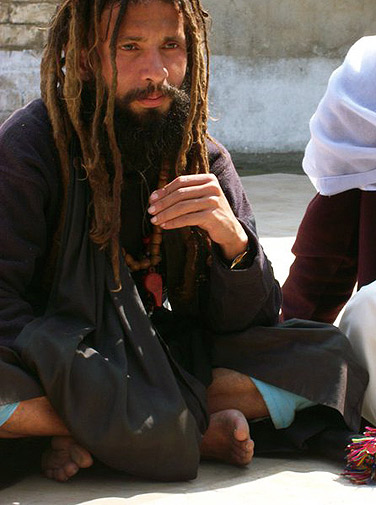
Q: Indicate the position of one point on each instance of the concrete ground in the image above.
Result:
(279, 201)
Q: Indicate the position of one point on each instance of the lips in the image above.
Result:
(154, 96)
(153, 100)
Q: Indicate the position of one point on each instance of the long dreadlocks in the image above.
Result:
(74, 31)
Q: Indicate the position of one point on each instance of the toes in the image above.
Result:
(70, 469)
(63, 473)
(241, 431)
(228, 438)
(242, 454)
(81, 456)
(64, 459)
(57, 474)
(60, 475)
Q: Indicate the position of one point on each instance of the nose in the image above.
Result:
(154, 69)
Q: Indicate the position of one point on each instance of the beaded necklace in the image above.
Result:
(152, 280)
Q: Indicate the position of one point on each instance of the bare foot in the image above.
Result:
(64, 458)
(227, 438)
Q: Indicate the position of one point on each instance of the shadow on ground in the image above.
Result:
(268, 163)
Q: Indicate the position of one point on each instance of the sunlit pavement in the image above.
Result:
(279, 201)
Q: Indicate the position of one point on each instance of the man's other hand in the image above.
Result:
(198, 200)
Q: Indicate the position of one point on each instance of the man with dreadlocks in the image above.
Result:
(135, 299)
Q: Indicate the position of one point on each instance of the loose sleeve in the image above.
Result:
(247, 297)
(29, 197)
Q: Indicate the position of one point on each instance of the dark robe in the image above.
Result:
(130, 388)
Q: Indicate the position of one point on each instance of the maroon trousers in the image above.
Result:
(335, 247)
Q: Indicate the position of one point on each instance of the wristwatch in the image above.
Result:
(239, 260)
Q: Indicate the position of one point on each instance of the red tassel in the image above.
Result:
(361, 458)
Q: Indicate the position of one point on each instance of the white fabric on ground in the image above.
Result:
(359, 324)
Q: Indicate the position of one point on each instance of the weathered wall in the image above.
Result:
(270, 62)
(288, 28)
(22, 33)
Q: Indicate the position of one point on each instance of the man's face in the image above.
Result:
(151, 52)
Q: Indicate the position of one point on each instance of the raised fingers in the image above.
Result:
(185, 195)
(183, 186)
(191, 207)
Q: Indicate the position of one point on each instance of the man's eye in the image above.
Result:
(171, 45)
(128, 47)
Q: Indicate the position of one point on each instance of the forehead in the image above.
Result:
(143, 17)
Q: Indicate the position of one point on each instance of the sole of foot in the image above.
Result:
(228, 439)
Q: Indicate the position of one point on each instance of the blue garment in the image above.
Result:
(281, 404)
(6, 411)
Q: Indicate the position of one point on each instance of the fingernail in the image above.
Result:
(151, 209)
(153, 196)
(154, 219)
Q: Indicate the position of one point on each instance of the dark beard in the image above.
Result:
(148, 138)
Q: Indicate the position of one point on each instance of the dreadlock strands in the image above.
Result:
(204, 16)
(74, 31)
(195, 128)
(98, 175)
(94, 64)
(72, 88)
(116, 155)
(61, 89)
(52, 79)
(194, 139)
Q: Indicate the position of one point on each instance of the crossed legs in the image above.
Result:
(232, 399)
(37, 418)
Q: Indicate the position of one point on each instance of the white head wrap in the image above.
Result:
(341, 154)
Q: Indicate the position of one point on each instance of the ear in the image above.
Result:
(85, 67)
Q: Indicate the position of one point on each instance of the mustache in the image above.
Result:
(142, 93)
